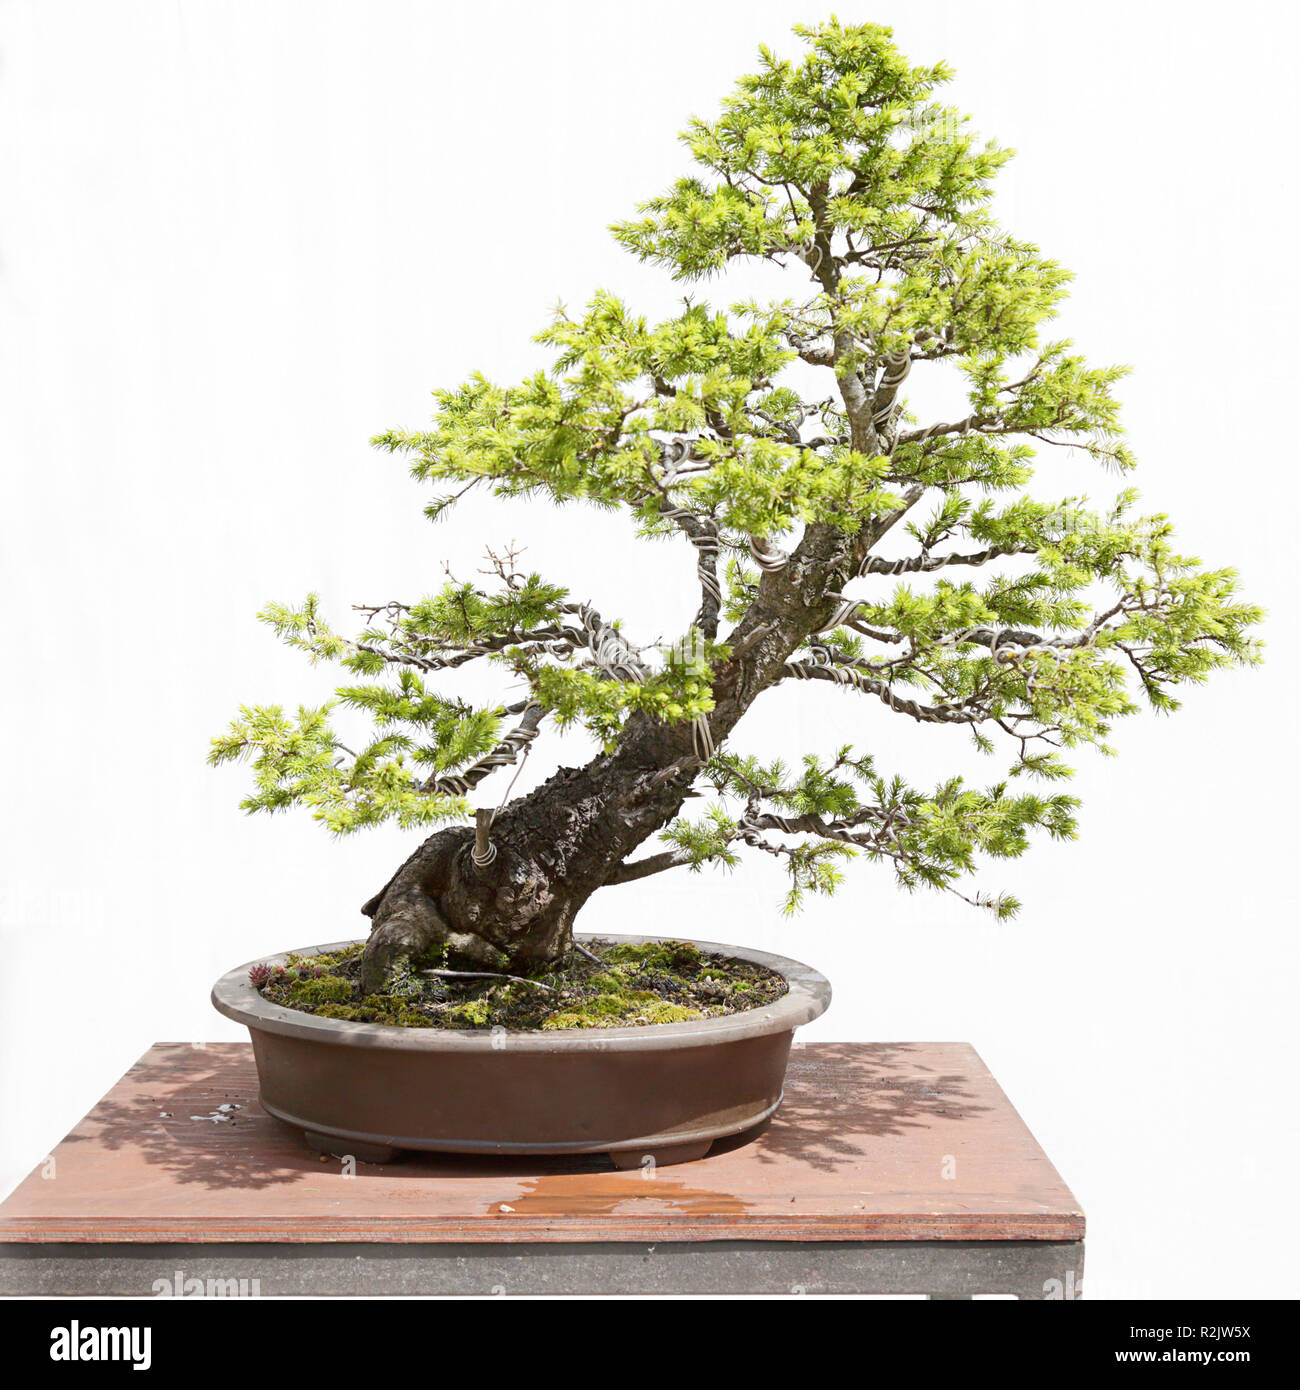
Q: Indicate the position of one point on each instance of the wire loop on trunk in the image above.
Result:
(769, 558)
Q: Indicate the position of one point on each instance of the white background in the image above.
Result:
(238, 239)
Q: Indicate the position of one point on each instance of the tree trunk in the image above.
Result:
(557, 845)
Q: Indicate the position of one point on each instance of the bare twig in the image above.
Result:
(488, 975)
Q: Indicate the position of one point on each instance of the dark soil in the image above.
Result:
(626, 985)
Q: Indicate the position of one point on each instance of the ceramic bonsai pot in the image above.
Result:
(667, 1090)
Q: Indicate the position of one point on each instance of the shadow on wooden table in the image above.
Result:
(838, 1093)
(169, 1111)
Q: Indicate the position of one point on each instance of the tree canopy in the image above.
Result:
(752, 432)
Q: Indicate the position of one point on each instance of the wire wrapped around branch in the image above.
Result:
(819, 670)
(611, 650)
(884, 414)
(504, 754)
(927, 564)
(702, 738)
(844, 612)
(703, 535)
(768, 557)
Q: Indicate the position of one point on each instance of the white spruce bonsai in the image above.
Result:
(776, 441)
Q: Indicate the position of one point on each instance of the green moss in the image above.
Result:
(571, 1019)
(382, 1003)
(607, 1011)
(474, 1013)
(331, 960)
(609, 982)
(655, 955)
(607, 1006)
(361, 1013)
(620, 987)
(350, 1012)
(661, 1011)
(325, 989)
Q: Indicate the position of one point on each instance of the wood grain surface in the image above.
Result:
(874, 1141)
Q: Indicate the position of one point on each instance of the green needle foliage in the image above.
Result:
(750, 429)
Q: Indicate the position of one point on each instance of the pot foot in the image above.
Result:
(660, 1156)
(332, 1146)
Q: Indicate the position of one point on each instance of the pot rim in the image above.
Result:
(808, 996)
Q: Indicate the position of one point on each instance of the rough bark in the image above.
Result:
(571, 835)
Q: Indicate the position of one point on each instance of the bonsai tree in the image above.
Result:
(838, 540)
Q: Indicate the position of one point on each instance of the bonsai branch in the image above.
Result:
(633, 870)
(927, 563)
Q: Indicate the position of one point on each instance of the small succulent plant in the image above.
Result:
(263, 974)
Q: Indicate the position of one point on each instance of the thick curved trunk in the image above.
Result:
(554, 848)
(568, 837)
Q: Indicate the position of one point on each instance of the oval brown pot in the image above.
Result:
(667, 1090)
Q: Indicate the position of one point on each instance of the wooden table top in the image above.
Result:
(874, 1141)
